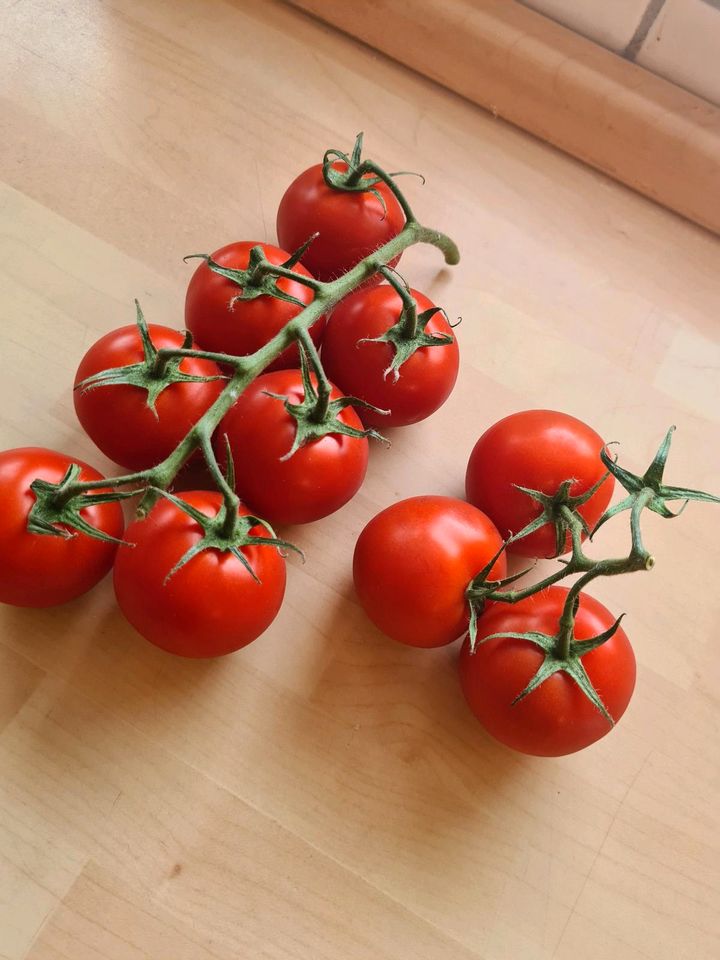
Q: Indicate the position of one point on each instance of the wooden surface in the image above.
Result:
(325, 793)
(635, 126)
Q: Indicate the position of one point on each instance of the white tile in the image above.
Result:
(610, 23)
(683, 45)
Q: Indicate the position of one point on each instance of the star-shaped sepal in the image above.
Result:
(317, 416)
(555, 662)
(355, 179)
(57, 514)
(408, 335)
(481, 587)
(227, 538)
(552, 512)
(655, 494)
(147, 375)
(256, 280)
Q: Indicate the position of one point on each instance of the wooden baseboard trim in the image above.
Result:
(634, 126)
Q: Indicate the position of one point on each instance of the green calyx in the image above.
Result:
(556, 509)
(563, 654)
(363, 176)
(317, 415)
(153, 374)
(227, 532)
(656, 494)
(57, 511)
(260, 277)
(407, 335)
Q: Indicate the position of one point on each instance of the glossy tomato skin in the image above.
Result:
(351, 225)
(117, 418)
(249, 324)
(319, 478)
(556, 718)
(209, 607)
(537, 449)
(426, 378)
(413, 562)
(37, 570)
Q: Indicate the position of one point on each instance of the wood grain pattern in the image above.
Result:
(635, 126)
(325, 793)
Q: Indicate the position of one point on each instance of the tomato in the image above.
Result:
(117, 417)
(319, 478)
(537, 449)
(41, 570)
(426, 378)
(556, 718)
(243, 327)
(209, 607)
(350, 225)
(413, 562)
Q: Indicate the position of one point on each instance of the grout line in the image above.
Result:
(643, 28)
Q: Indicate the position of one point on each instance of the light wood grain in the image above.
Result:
(325, 793)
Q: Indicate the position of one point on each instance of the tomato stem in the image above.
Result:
(246, 369)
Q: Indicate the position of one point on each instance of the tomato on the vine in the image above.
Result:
(556, 717)
(413, 562)
(351, 225)
(117, 417)
(210, 606)
(361, 367)
(41, 570)
(319, 478)
(220, 323)
(539, 450)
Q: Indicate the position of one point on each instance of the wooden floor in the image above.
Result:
(325, 793)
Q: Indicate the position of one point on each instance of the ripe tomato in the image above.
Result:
(556, 718)
(426, 378)
(247, 325)
(41, 570)
(351, 225)
(413, 562)
(319, 478)
(117, 417)
(210, 606)
(538, 449)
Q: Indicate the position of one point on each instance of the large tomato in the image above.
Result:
(41, 570)
(556, 718)
(117, 417)
(413, 562)
(350, 225)
(316, 480)
(210, 606)
(425, 379)
(537, 449)
(243, 327)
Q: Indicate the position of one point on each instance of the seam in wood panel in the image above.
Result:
(643, 28)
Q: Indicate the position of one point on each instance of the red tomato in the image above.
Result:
(40, 570)
(351, 225)
(210, 606)
(538, 449)
(556, 718)
(247, 325)
(319, 478)
(413, 562)
(426, 378)
(117, 418)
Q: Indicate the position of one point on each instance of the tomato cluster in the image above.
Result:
(291, 358)
(416, 559)
(203, 573)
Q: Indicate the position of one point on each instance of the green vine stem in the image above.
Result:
(245, 369)
(562, 651)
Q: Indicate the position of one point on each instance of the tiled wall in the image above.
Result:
(678, 39)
